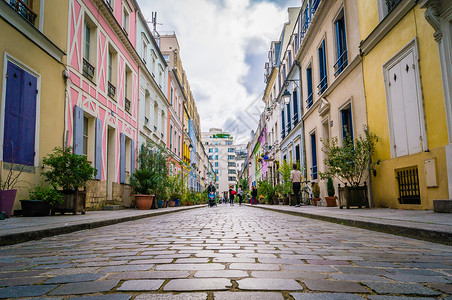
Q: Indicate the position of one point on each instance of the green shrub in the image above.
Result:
(330, 187)
(46, 194)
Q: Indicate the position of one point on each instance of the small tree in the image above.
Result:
(330, 187)
(316, 190)
(286, 185)
(350, 162)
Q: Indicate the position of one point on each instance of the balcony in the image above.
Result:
(283, 134)
(322, 85)
(23, 10)
(309, 100)
(108, 3)
(341, 63)
(288, 126)
(127, 105)
(88, 70)
(314, 6)
(111, 90)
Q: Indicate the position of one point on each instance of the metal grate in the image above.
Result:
(408, 180)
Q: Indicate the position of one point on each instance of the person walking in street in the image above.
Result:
(211, 194)
(239, 193)
(295, 178)
(231, 195)
(254, 195)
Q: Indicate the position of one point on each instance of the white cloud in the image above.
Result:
(216, 37)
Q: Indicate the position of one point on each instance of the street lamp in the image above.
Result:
(190, 148)
(286, 97)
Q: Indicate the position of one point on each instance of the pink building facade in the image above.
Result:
(102, 93)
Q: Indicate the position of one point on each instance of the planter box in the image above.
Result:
(72, 202)
(353, 196)
(35, 208)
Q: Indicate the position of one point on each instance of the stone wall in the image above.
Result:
(96, 194)
(122, 194)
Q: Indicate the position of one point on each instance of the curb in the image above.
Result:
(16, 238)
(439, 237)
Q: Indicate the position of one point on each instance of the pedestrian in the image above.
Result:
(239, 193)
(295, 178)
(231, 195)
(254, 195)
(211, 194)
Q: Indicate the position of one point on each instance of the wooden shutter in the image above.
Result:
(122, 158)
(78, 130)
(20, 116)
(98, 150)
(132, 157)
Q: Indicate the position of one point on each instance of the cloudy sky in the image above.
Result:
(224, 45)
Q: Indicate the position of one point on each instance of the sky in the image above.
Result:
(223, 47)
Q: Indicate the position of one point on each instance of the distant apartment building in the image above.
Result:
(221, 152)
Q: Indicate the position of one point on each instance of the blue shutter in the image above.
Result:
(98, 153)
(20, 116)
(122, 158)
(314, 156)
(78, 130)
(338, 41)
(132, 157)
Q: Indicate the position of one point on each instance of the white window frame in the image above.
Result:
(407, 49)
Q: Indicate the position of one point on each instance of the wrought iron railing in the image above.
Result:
(88, 69)
(288, 127)
(314, 172)
(23, 10)
(341, 63)
(391, 4)
(295, 119)
(322, 85)
(127, 105)
(314, 6)
(283, 134)
(309, 100)
(111, 90)
(408, 180)
(107, 2)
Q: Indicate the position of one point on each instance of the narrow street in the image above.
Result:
(226, 253)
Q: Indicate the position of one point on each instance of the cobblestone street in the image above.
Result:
(226, 252)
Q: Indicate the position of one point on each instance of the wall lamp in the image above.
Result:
(286, 95)
(190, 148)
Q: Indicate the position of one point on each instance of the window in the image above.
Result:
(408, 181)
(89, 49)
(288, 118)
(231, 157)
(313, 156)
(216, 157)
(295, 107)
(385, 7)
(310, 98)
(211, 150)
(171, 137)
(144, 49)
(231, 178)
(231, 164)
(20, 116)
(322, 69)
(216, 172)
(127, 90)
(231, 150)
(125, 20)
(171, 97)
(404, 101)
(283, 131)
(347, 125)
(216, 164)
(341, 44)
(210, 157)
(216, 150)
(85, 136)
(231, 172)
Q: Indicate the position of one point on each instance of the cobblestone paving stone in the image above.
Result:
(226, 253)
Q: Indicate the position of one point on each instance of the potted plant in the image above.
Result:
(7, 188)
(69, 173)
(143, 183)
(331, 198)
(350, 164)
(316, 193)
(42, 199)
(286, 185)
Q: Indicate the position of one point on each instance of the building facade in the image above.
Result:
(220, 149)
(406, 104)
(33, 86)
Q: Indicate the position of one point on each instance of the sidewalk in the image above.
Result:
(418, 224)
(22, 229)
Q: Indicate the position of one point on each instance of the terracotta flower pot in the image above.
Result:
(315, 200)
(144, 201)
(330, 201)
(172, 203)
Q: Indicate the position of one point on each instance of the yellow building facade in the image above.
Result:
(405, 104)
(32, 52)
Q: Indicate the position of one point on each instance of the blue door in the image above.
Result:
(20, 116)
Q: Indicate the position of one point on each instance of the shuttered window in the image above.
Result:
(20, 116)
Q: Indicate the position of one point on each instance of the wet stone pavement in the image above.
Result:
(226, 253)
